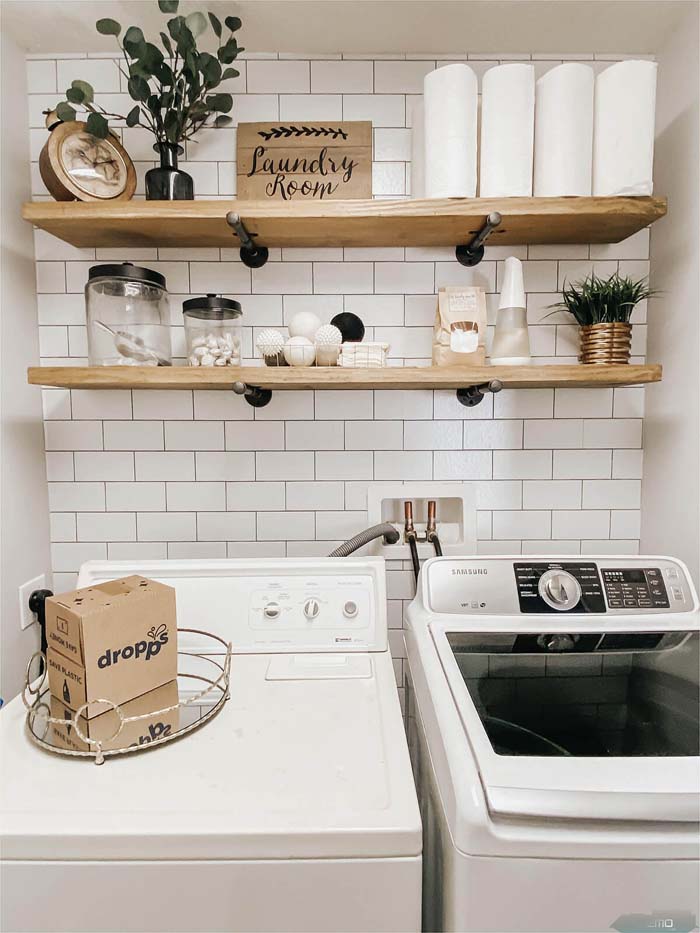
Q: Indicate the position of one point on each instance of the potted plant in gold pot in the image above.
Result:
(602, 308)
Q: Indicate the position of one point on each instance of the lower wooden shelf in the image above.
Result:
(312, 377)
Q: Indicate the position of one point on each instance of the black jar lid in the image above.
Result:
(127, 270)
(212, 307)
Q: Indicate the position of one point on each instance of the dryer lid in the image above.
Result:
(588, 734)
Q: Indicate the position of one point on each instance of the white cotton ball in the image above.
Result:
(206, 360)
(194, 360)
(299, 351)
(304, 324)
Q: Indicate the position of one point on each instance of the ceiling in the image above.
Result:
(370, 26)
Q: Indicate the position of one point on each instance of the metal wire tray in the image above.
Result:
(51, 732)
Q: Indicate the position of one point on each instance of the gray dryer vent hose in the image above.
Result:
(385, 530)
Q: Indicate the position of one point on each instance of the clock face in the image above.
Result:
(93, 165)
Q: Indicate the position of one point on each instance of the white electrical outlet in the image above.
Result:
(26, 616)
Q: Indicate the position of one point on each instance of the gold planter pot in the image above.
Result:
(605, 343)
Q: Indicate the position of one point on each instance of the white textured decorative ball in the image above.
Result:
(299, 351)
(304, 324)
(270, 342)
(328, 336)
(328, 340)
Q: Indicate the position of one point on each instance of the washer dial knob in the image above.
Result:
(350, 609)
(272, 611)
(311, 608)
(560, 590)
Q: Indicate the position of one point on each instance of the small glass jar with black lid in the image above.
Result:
(212, 331)
(128, 316)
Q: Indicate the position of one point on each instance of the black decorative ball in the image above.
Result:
(350, 326)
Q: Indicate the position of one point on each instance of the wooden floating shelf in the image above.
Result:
(364, 223)
(312, 377)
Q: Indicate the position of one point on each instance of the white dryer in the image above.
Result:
(553, 729)
(294, 809)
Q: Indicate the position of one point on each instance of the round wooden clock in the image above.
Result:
(75, 165)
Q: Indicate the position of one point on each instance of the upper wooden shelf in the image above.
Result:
(369, 223)
(319, 377)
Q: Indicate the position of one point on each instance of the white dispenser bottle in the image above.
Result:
(511, 343)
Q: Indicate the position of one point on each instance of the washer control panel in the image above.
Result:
(559, 587)
(638, 588)
(515, 586)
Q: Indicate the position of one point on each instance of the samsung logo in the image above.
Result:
(468, 571)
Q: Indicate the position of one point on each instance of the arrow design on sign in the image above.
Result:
(285, 132)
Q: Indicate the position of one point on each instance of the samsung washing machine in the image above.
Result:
(553, 728)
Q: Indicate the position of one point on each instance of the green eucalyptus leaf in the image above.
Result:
(175, 26)
(196, 23)
(229, 73)
(219, 102)
(168, 6)
(65, 112)
(140, 70)
(172, 126)
(154, 105)
(152, 57)
(233, 23)
(133, 42)
(108, 27)
(222, 120)
(215, 24)
(132, 117)
(75, 95)
(210, 68)
(228, 52)
(138, 88)
(164, 73)
(166, 43)
(88, 93)
(97, 125)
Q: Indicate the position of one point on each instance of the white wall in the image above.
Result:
(671, 463)
(24, 539)
(147, 474)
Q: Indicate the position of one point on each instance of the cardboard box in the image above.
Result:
(103, 726)
(115, 640)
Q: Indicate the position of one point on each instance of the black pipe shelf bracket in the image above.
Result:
(473, 253)
(253, 395)
(252, 255)
(473, 395)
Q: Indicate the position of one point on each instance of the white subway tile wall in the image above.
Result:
(158, 474)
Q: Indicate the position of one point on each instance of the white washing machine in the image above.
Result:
(553, 728)
(294, 809)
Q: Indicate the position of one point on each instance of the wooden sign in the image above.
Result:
(298, 161)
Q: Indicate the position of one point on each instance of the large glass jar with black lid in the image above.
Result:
(128, 316)
(212, 331)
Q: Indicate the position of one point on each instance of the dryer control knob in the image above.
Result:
(560, 589)
(311, 608)
(272, 611)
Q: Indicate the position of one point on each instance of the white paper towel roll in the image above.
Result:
(507, 129)
(417, 150)
(450, 102)
(623, 129)
(564, 131)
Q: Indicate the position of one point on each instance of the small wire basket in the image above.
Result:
(207, 702)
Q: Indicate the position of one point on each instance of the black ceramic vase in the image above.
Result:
(168, 183)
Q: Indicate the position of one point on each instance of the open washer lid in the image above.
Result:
(598, 769)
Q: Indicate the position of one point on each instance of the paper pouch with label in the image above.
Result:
(103, 727)
(459, 334)
(113, 641)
